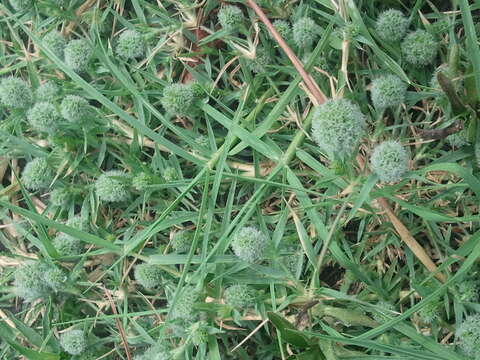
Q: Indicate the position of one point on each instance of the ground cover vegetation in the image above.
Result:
(269, 179)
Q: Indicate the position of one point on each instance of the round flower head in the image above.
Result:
(73, 342)
(184, 306)
(55, 42)
(419, 48)
(78, 54)
(249, 244)
(468, 335)
(37, 174)
(179, 99)
(74, 108)
(389, 161)
(59, 196)
(181, 241)
(338, 126)
(469, 290)
(458, 140)
(199, 333)
(15, 93)
(29, 283)
(55, 278)
(67, 245)
(130, 44)
(388, 90)
(284, 29)
(240, 296)
(44, 117)
(261, 60)
(148, 275)
(77, 222)
(170, 174)
(429, 313)
(158, 351)
(47, 92)
(449, 73)
(392, 25)
(305, 32)
(141, 181)
(112, 186)
(21, 5)
(230, 17)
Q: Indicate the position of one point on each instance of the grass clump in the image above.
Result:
(174, 186)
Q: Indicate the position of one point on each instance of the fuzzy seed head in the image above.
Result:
(249, 244)
(240, 296)
(73, 342)
(284, 29)
(29, 283)
(141, 181)
(158, 351)
(468, 335)
(47, 92)
(74, 108)
(230, 17)
(419, 48)
(337, 127)
(179, 99)
(389, 161)
(469, 290)
(130, 44)
(199, 333)
(21, 5)
(59, 196)
(392, 25)
(78, 54)
(15, 93)
(305, 32)
(170, 174)
(55, 42)
(55, 278)
(183, 309)
(37, 174)
(458, 140)
(181, 241)
(388, 90)
(44, 117)
(67, 245)
(148, 275)
(77, 222)
(449, 73)
(429, 313)
(261, 60)
(112, 186)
